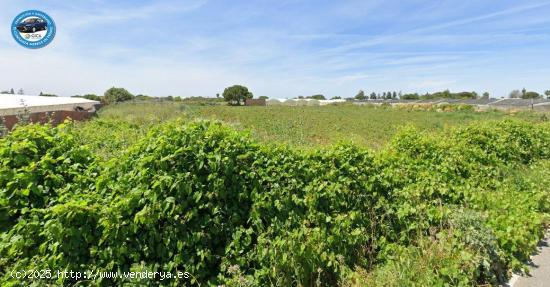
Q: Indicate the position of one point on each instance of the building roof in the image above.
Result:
(9, 101)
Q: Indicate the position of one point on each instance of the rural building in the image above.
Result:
(254, 102)
(44, 109)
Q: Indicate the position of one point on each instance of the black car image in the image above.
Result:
(32, 25)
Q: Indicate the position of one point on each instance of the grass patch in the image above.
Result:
(301, 127)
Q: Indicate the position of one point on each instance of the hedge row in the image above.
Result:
(205, 199)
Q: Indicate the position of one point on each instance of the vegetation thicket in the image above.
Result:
(90, 97)
(460, 207)
(117, 95)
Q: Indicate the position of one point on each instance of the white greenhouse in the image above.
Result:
(14, 104)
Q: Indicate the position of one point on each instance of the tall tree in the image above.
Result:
(523, 93)
(21, 92)
(12, 91)
(547, 93)
(360, 95)
(237, 94)
(485, 96)
(373, 96)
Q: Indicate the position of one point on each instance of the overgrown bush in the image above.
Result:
(205, 199)
(35, 163)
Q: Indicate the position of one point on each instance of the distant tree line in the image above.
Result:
(237, 94)
(12, 92)
(524, 94)
(361, 95)
(313, 97)
(446, 94)
(119, 95)
(47, 95)
(394, 95)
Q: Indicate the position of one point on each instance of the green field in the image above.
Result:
(271, 196)
(301, 127)
(314, 126)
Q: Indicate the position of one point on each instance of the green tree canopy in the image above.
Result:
(360, 95)
(414, 96)
(317, 97)
(92, 97)
(531, 95)
(117, 95)
(143, 97)
(88, 97)
(237, 94)
(47, 95)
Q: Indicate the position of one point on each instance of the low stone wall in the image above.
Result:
(53, 118)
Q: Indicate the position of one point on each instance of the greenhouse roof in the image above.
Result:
(10, 101)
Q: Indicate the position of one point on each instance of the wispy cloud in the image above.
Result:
(483, 17)
(108, 15)
(417, 32)
(284, 48)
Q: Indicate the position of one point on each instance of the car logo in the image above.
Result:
(33, 29)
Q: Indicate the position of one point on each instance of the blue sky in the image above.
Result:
(282, 48)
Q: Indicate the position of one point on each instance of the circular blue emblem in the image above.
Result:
(33, 29)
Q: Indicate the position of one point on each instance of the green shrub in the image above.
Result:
(178, 197)
(35, 163)
(205, 199)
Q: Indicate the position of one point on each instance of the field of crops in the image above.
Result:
(415, 198)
